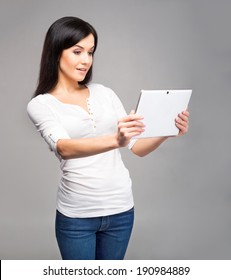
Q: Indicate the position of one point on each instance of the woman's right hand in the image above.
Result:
(128, 127)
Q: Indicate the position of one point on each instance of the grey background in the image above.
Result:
(182, 191)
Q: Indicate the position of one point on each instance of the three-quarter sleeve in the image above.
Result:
(46, 123)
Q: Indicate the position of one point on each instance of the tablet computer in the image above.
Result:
(160, 109)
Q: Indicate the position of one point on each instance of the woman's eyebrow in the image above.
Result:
(83, 47)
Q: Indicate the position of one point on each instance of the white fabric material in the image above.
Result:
(93, 186)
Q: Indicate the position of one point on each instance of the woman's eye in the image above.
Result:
(77, 52)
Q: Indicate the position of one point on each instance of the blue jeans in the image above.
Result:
(100, 238)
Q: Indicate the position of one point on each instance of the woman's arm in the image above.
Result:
(77, 148)
(128, 127)
(143, 147)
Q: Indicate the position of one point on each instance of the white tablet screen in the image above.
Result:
(160, 109)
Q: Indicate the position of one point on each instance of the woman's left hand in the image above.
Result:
(182, 122)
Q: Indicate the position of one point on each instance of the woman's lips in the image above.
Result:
(82, 70)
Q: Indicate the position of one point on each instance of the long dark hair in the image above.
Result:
(62, 34)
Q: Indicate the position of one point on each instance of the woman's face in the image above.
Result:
(76, 61)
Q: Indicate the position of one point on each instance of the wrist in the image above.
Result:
(115, 141)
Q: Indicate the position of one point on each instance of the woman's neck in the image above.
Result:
(67, 88)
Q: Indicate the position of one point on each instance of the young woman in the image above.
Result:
(85, 124)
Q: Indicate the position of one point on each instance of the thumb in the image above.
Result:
(132, 112)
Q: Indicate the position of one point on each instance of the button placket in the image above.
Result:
(91, 114)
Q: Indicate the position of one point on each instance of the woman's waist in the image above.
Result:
(95, 180)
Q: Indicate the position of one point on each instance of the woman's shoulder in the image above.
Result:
(38, 103)
(39, 99)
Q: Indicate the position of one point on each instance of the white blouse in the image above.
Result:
(92, 186)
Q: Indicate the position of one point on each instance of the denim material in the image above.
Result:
(100, 238)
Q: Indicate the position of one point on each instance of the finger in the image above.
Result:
(128, 134)
(181, 122)
(183, 129)
(132, 134)
(130, 124)
(131, 130)
(131, 117)
(186, 113)
(181, 132)
(183, 117)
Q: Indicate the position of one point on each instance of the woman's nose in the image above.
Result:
(85, 58)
